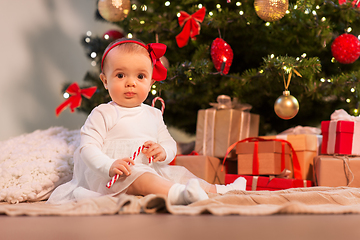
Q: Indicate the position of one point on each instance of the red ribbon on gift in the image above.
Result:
(191, 25)
(296, 164)
(74, 100)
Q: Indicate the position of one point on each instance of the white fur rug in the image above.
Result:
(32, 165)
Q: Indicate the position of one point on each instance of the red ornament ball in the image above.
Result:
(353, 3)
(221, 55)
(346, 48)
(113, 35)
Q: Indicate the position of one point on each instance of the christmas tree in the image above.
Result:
(289, 46)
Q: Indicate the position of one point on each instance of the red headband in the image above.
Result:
(156, 51)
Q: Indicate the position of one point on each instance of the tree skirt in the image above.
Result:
(315, 200)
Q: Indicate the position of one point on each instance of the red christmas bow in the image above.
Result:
(192, 26)
(75, 97)
(156, 51)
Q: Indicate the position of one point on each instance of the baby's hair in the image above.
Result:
(134, 46)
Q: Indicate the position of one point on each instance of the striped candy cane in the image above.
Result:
(116, 177)
(162, 103)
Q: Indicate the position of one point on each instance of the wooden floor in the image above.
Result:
(166, 226)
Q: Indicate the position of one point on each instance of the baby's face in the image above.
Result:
(127, 76)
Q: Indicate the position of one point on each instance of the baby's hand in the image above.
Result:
(152, 149)
(121, 166)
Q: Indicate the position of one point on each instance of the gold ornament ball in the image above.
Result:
(286, 106)
(165, 62)
(114, 10)
(271, 10)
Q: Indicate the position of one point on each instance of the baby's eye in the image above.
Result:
(119, 75)
(141, 76)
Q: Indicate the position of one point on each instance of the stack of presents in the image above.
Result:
(228, 146)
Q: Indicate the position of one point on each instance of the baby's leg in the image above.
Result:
(178, 194)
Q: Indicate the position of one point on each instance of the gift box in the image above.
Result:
(306, 147)
(340, 137)
(217, 128)
(204, 167)
(335, 171)
(254, 183)
(257, 157)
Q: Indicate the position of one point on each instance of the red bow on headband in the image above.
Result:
(75, 99)
(156, 51)
(192, 26)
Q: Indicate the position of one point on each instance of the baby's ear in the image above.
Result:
(103, 79)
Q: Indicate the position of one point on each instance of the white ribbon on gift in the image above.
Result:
(342, 115)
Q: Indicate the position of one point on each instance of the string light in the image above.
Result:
(348, 100)
(88, 33)
(133, 7)
(93, 55)
(144, 8)
(349, 29)
(142, 22)
(352, 90)
(87, 39)
(129, 35)
(322, 79)
(93, 63)
(66, 95)
(238, 4)
(153, 92)
(167, 3)
(323, 19)
(267, 24)
(200, 6)
(211, 13)
(241, 13)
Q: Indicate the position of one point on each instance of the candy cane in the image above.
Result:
(162, 103)
(116, 177)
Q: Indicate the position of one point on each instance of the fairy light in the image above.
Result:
(88, 33)
(178, 14)
(314, 13)
(218, 6)
(153, 92)
(295, 7)
(317, 7)
(190, 78)
(323, 19)
(144, 8)
(352, 89)
(66, 95)
(129, 35)
(287, 11)
(348, 100)
(211, 13)
(133, 7)
(93, 55)
(267, 24)
(356, 111)
(142, 22)
(303, 55)
(167, 3)
(88, 39)
(322, 79)
(307, 11)
(241, 13)
(200, 5)
(93, 63)
(332, 59)
(272, 56)
(238, 4)
(349, 29)
(329, 80)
